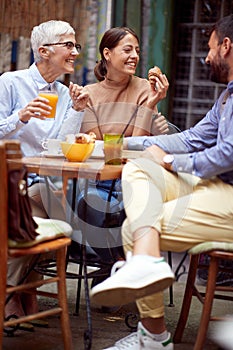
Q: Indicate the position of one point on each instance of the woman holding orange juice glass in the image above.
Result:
(52, 97)
(25, 110)
(23, 116)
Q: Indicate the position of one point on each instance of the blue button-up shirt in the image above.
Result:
(17, 89)
(205, 150)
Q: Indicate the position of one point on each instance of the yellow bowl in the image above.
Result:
(77, 152)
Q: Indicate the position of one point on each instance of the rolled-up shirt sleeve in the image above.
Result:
(11, 123)
(213, 141)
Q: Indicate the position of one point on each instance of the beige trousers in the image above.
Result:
(185, 209)
(39, 199)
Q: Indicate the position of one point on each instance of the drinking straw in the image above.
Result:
(127, 125)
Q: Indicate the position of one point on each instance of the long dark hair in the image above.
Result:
(110, 40)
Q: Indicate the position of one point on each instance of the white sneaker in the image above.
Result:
(142, 340)
(136, 279)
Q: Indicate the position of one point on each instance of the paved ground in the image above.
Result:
(109, 327)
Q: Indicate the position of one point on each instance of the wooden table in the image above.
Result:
(91, 169)
(94, 169)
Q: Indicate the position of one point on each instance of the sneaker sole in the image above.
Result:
(124, 295)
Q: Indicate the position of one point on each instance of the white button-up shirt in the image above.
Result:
(205, 150)
(20, 87)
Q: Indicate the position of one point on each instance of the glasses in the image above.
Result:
(69, 44)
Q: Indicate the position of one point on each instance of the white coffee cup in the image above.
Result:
(70, 138)
(52, 146)
(99, 149)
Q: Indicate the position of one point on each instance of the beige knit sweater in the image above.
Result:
(112, 105)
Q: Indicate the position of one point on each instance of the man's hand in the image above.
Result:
(156, 154)
(79, 96)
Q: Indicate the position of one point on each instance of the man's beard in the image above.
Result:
(219, 72)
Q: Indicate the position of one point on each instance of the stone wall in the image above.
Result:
(17, 18)
(90, 18)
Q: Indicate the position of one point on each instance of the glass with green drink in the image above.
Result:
(113, 145)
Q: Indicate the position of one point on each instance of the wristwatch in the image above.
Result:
(168, 159)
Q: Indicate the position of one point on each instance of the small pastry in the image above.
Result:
(153, 73)
(85, 138)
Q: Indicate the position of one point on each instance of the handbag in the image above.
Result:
(21, 225)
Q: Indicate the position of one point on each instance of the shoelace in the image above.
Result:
(120, 263)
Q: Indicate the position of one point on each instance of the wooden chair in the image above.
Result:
(217, 251)
(9, 150)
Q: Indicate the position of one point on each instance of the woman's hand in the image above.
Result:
(159, 125)
(38, 108)
(79, 96)
(158, 90)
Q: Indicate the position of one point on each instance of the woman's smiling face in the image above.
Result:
(123, 59)
(62, 58)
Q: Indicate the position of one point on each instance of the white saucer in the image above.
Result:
(96, 156)
(49, 155)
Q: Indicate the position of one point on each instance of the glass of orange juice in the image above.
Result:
(52, 96)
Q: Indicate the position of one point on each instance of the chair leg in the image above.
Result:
(171, 303)
(207, 307)
(62, 297)
(87, 333)
(79, 286)
(186, 299)
(3, 283)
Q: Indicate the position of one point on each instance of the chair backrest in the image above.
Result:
(3, 193)
(173, 129)
(11, 150)
(3, 226)
(8, 149)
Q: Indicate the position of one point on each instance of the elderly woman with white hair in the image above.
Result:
(23, 117)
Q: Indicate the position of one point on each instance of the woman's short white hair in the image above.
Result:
(48, 32)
